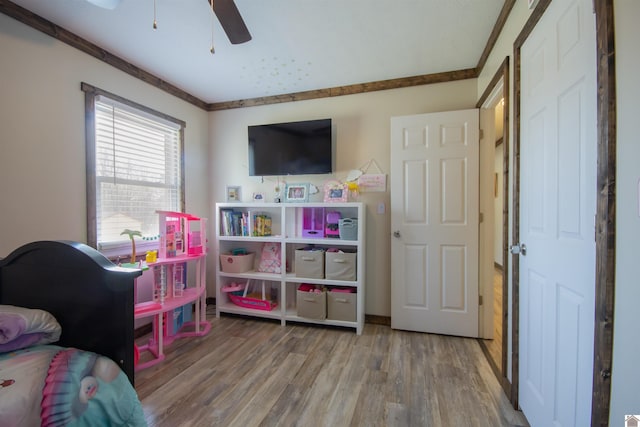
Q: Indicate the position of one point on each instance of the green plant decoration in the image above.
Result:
(132, 234)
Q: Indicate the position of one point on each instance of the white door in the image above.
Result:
(434, 219)
(557, 214)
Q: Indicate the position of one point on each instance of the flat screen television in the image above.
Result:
(293, 148)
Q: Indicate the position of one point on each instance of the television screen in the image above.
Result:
(294, 148)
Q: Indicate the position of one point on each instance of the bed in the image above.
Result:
(66, 338)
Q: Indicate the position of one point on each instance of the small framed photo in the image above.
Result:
(258, 197)
(334, 191)
(233, 193)
(296, 193)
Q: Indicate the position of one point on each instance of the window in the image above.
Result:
(134, 168)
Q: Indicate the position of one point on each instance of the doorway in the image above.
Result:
(494, 227)
(605, 216)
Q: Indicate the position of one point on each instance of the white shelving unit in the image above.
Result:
(287, 232)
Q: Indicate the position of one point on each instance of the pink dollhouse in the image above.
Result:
(181, 234)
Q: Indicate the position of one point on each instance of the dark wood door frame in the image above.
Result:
(501, 371)
(605, 206)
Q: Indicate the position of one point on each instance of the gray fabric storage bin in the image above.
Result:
(312, 305)
(341, 306)
(340, 265)
(309, 263)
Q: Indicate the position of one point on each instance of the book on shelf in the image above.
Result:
(260, 224)
(244, 223)
(231, 223)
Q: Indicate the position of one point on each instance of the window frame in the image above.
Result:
(91, 93)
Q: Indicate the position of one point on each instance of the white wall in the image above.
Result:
(42, 144)
(362, 133)
(625, 394)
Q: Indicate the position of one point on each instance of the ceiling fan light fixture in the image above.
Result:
(213, 14)
(155, 23)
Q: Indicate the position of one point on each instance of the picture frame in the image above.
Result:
(296, 193)
(335, 191)
(258, 197)
(234, 193)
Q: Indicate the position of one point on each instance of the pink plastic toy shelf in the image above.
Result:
(237, 293)
(182, 239)
(156, 344)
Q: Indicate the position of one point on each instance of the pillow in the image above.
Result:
(23, 327)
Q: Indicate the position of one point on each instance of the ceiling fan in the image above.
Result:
(226, 11)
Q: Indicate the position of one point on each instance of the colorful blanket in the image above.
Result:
(48, 385)
(53, 386)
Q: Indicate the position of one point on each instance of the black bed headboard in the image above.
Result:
(91, 298)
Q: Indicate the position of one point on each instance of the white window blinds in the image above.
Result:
(138, 163)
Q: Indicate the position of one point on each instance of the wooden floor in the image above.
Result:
(249, 372)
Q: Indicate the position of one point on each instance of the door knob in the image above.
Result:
(519, 249)
(396, 234)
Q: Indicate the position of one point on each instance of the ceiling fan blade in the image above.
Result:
(231, 21)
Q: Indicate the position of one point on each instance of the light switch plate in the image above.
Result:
(381, 208)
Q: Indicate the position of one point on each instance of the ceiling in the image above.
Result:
(296, 46)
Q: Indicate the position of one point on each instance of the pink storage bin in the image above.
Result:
(344, 290)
